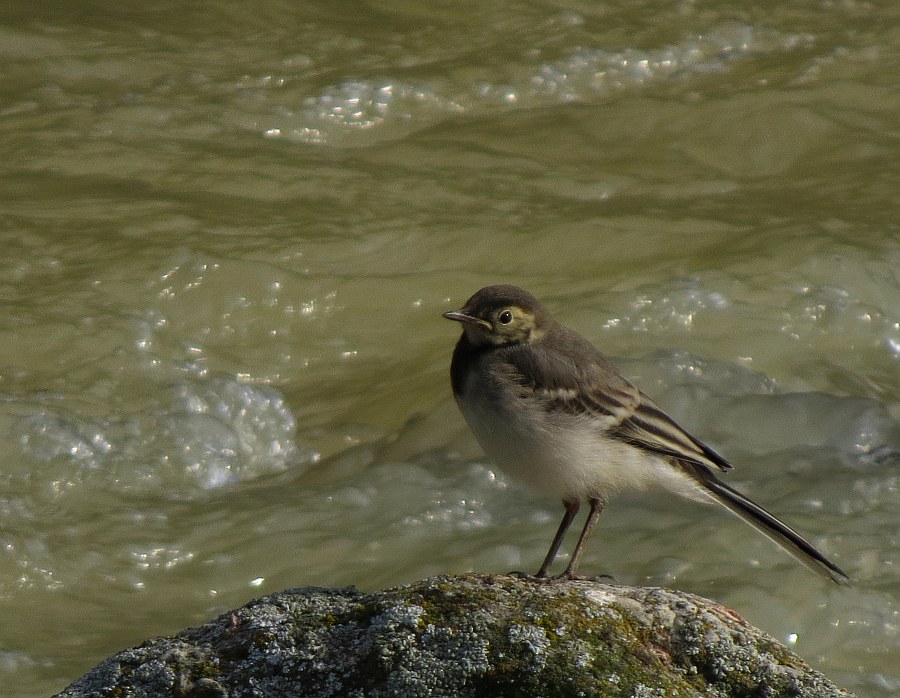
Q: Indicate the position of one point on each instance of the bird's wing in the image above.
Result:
(569, 374)
(597, 389)
(650, 428)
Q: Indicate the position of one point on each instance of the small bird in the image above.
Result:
(549, 409)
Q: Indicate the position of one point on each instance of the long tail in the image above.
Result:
(767, 524)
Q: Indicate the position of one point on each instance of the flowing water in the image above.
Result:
(228, 232)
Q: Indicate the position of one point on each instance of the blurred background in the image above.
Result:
(229, 229)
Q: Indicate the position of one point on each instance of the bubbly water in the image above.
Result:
(228, 233)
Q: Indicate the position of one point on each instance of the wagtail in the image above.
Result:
(550, 410)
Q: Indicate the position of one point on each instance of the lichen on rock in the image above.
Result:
(467, 635)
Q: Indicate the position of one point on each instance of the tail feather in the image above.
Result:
(770, 526)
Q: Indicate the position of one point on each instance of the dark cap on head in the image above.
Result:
(505, 295)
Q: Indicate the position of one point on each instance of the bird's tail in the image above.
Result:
(769, 525)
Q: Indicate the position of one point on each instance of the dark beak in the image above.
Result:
(460, 316)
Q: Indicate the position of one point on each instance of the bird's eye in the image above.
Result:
(505, 317)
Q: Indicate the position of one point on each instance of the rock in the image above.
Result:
(465, 635)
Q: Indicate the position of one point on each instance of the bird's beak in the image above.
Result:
(460, 316)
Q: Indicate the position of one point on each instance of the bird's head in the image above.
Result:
(502, 314)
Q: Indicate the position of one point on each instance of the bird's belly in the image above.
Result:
(564, 456)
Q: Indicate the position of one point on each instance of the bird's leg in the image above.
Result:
(597, 504)
(572, 506)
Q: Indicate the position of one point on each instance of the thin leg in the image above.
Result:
(572, 506)
(597, 504)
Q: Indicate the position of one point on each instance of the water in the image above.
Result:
(229, 233)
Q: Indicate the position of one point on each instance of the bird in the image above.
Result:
(550, 410)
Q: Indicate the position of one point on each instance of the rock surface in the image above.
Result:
(467, 635)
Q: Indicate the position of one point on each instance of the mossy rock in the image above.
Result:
(467, 635)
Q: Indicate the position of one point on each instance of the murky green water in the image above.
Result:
(228, 234)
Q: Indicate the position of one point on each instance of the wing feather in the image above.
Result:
(576, 378)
